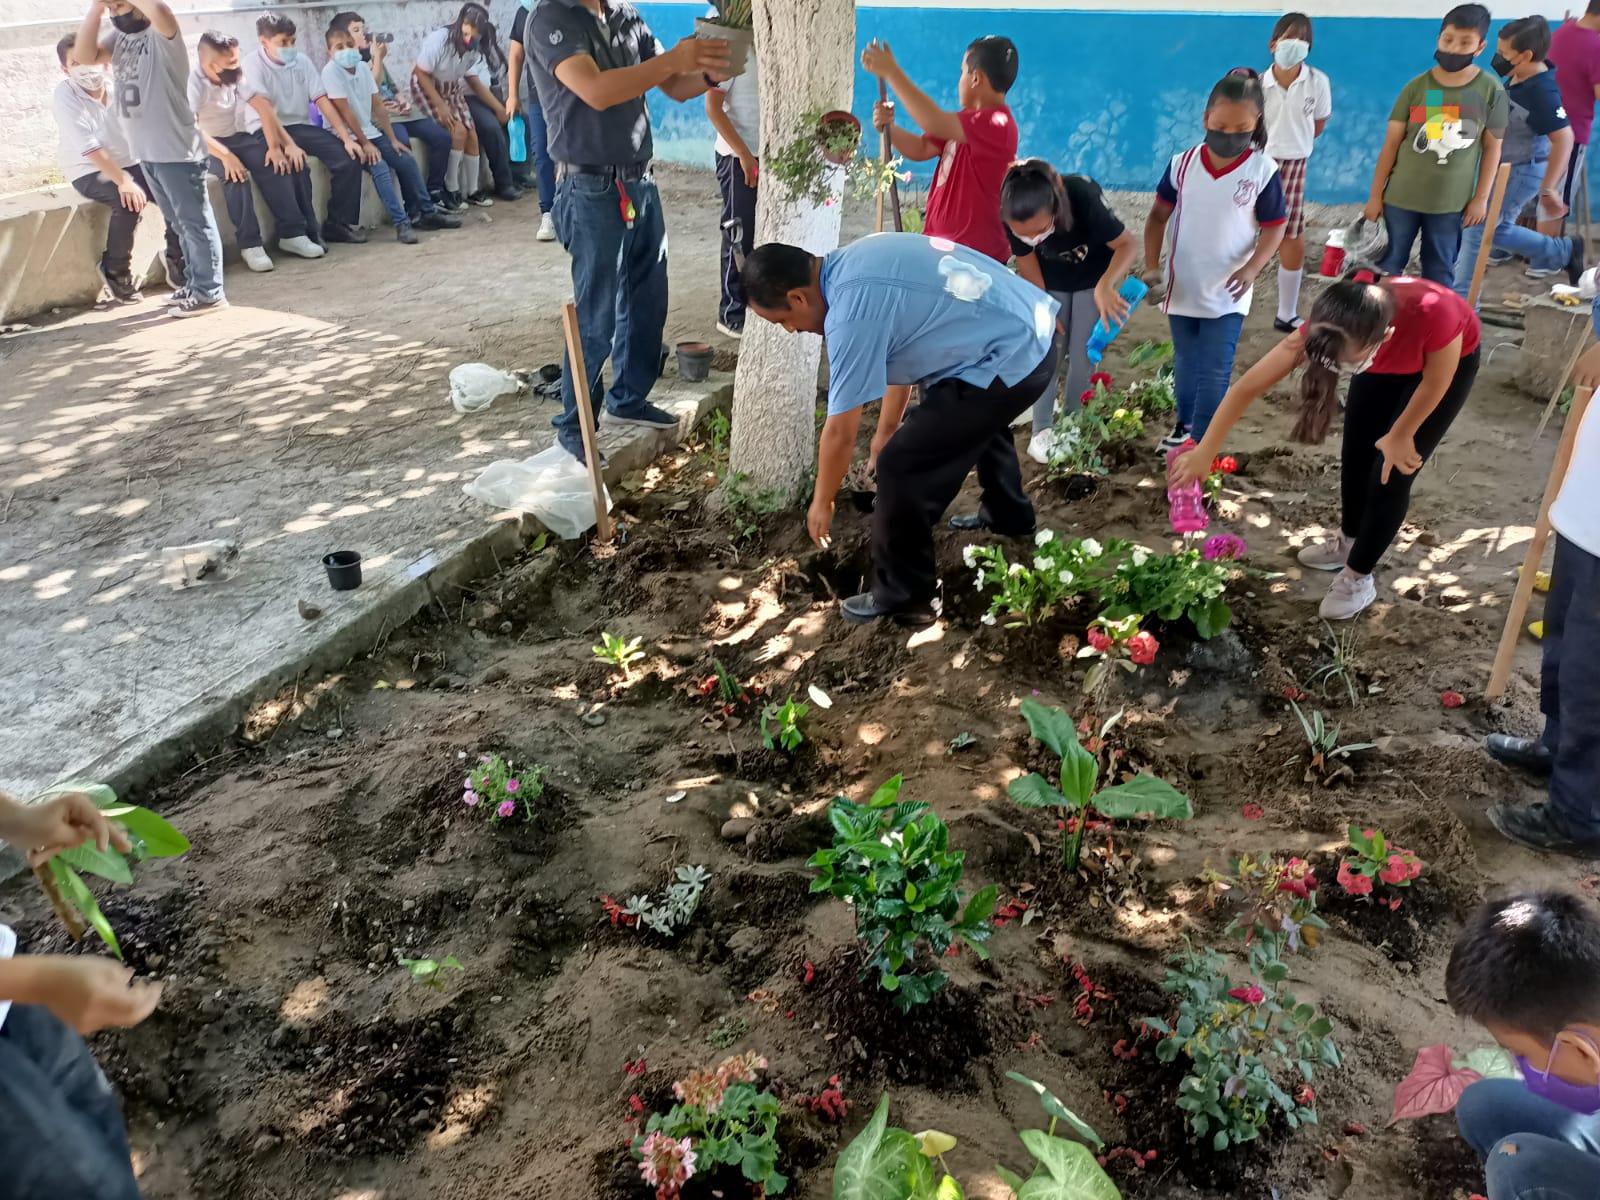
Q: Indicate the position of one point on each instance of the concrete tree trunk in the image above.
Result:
(807, 53)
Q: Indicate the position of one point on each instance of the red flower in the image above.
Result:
(1298, 878)
(1305, 1095)
(1142, 647)
(1397, 869)
(1247, 995)
(1353, 882)
(1452, 699)
(1101, 378)
(1252, 812)
(1290, 692)
(1098, 639)
(636, 1103)
(810, 973)
(1086, 397)
(1225, 464)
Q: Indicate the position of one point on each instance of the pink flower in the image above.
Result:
(1394, 871)
(470, 799)
(1452, 699)
(1098, 639)
(1297, 877)
(1353, 882)
(512, 785)
(667, 1164)
(1252, 812)
(485, 758)
(507, 808)
(1247, 995)
(1142, 647)
(1223, 546)
(467, 783)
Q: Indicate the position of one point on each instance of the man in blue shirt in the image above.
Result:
(900, 308)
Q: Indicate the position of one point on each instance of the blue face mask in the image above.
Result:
(347, 58)
(286, 54)
(527, 4)
(1579, 1097)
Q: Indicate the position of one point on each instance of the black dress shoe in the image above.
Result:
(978, 523)
(438, 219)
(1537, 827)
(859, 610)
(1283, 326)
(1521, 752)
(332, 232)
(509, 194)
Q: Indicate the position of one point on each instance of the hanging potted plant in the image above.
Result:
(732, 25)
(839, 134)
(828, 142)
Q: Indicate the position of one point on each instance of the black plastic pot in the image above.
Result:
(344, 570)
(694, 361)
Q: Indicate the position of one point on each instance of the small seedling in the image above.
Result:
(429, 972)
(675, 907)
(780, 725)
(617, 652)
(1341, 665)
(960, 742)
(1322, 739)
(727, 1031)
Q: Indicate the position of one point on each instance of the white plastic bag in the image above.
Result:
(551, 486)
(476, 385)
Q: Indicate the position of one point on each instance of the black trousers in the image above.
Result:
(1569, 687)
(956, 427)
(344, 172)
(119, 235)
(288, 196)
(1373, 510)
(738, 206)
(492, 138)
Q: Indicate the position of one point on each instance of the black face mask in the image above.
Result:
(227, 76)
(1227, 145)
(131, 22)
(1453, 62)
(1502, 65)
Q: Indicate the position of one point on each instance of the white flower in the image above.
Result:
(987, 618)
(1091, 547)
(1043, 536)
(1140, 556)
(970, 556)
(978, 583)
(1066, 576)
(1016, 569)
(1041, 563)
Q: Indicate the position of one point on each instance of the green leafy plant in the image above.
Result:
(912, 220)
(1247, 1045)
(734, 14)
(1077, 445)
(1115, 645)
(885, 1163)
(806, 164)
(1169, 586)
(891, 860)
(727, 1031)
(1120, 419)
(670, 912)
(960, 742)
(1028, 593)
(617, 652)
(1377, 858)
(1143, 796)
(1341, 666)
(1275, 905)
(718, 430)
(1150, 354)
(1063, 1169)
(150, 836)
(744, 505)
(496, 788)
(1322, 740)
(721, 1120)
(780, 725)
(429, 972)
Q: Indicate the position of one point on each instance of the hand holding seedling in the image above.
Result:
(62, 822)
(89, 994)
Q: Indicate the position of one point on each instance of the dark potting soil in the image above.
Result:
(1424, 919)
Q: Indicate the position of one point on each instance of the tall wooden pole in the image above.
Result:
(1497, 199)
(591, 447)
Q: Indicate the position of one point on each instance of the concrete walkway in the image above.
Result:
(314, 415)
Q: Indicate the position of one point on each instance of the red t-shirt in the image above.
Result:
(964, 202)
(1575, 53)
(1427, 317)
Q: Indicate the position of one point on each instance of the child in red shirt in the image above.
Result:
(974, 146)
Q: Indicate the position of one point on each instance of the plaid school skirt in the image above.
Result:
(454, 96)
(1292, 174)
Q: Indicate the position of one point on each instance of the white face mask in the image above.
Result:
(1290, 53)
(90, 79)
(1035, 239)
(1349, 368)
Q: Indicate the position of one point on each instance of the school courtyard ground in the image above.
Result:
(313, 415)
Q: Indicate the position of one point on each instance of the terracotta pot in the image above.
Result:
(838, 117)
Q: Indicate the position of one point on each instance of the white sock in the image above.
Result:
(1289, 292)
(469, 175)
(452, 171)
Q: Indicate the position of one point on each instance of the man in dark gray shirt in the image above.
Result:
(594, 61)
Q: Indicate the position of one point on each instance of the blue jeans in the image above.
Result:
(1569, 687)
(1533, 1148)
(1543, 253)
(61, 1130)
(383, 179)
(180, 192)
(619, 280)
(1202, 366)
(538, 134)
(406, 172)
(1441, 243)
(437, 139)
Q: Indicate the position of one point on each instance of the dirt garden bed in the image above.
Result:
(293, 1057)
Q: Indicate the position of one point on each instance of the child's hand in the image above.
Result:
(233, 170)
(89, 994)
(1399, 454)
(883, 115)
(751, 168)
(877, 59)
(63, 822)
(1189, 467)
(819, 519)
(1587, 373)
(1240, 282)
(131, 195)
(1156, 280)
(1474, 213)
(370, 154)
(1374, 208)
(1113, 308)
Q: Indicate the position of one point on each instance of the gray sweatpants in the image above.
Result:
(1078, 317)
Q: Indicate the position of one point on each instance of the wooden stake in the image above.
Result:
(1496, 199)
(1500, 676)
(1572, 365)
(68, 915)
(580, 389)
(883, 152)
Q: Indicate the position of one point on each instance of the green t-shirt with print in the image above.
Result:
(1437, 169)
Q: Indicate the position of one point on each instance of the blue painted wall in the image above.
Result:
(1114, 95)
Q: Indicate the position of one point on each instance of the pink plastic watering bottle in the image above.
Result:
(1186, 505)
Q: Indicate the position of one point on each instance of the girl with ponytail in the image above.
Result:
(1410, 348)
(1223, 201)
(1068, 242)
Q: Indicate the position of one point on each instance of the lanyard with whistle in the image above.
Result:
(625, 205)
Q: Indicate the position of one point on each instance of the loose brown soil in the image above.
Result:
(292, 1056)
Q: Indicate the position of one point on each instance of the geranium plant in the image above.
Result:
(721, 1120)
(891, 861)
(1376, 858)
(495, 787)
(1143, 796)
(1027, 593)
(1221, 467)
(1275, 905)
(1116, 645)
(1248, 1045)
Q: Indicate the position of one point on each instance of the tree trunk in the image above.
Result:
(807, 54)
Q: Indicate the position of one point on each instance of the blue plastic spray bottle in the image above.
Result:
(1133, 290)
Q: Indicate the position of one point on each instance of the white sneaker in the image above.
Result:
(1327, 555)
(256, 258)
(302, 246)
(1349, 595)
(1040, 445)
(547, 228)
(1542, 272)
(727, 330)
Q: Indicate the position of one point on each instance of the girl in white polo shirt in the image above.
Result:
(446, 58)
(1298, 105)
(1224, 203)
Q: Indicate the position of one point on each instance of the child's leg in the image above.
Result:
(119, 233)
(1441, 246)
(1529, 1167)
(496, 147)
(1543, 253)
(413, 189)
(283, 202)
(241, 202)
(1492, 1109)
(172, 254)
(544, 165)
(436, 138)
(1217, 343)
(1185, 365)
(642, 301)
(591, 229)
(1403, 226)
(1292, 254)
(344, 173)
(1570, 691)
(60, 1126)
(1080, 317)
(730, 311)
(388, 193)
(180, 191)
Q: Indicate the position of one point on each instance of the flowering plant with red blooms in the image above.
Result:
(1142, 647)
(1120, 644)
(1224, 464)
(1221, 467)
(1277, 905)
(1251, 994)
(1375, 857)
(1452, 699)
(729, 698)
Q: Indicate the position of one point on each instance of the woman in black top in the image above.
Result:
(1067, 241)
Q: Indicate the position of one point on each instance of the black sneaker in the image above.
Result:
(1178, 436)
(1527, 753)
(177, 273)
(509, 194)
(1575, 262)
(647, 415)
(575, 448)
(864, 609)
(451, 202)
(123, 289)
(978, 523)
(193, 306)
(438, 219)
(1537, 827)
(481, 200)
(333, 232)
(404, 234)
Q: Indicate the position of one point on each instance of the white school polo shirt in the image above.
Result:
(1292, 114)
(743, 106)
(86, 125)
(291, 88)
(1216, 220)
(357, 88)
(218, 107)
(1576, 512)
(442, 60)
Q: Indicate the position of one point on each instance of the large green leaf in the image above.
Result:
(949, 1189)
(1144, 796)
(981, 907)
(1054, 1108)
(1055, 729)
(1009, 1177)
(1489, 1061)
(76, 893)
(107, 863)
(881, 1163)
(1072, 1173)
(1034, 791)
(102, 796)
(888, 792)
(1210, 618)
